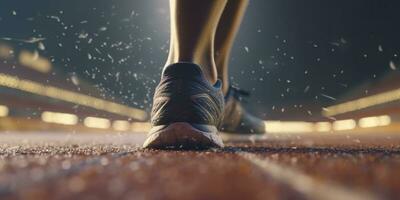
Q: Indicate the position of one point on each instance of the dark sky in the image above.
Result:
(297, 51)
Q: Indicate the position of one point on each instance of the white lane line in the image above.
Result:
(305, 184)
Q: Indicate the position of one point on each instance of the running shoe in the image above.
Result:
(236, 118)
(186, 110)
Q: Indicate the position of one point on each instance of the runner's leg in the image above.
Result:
(226, 32)
(193, 27)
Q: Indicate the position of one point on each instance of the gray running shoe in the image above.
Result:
(186, 111)
(236, 118)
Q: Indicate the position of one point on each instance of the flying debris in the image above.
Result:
(55, 18)
(41, 46)
(329, 97)
(380, 48)
(101, 29)
(306, 89)
(75, 80)
(392, 65)
(83, 35)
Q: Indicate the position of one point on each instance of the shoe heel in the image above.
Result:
(183, 135)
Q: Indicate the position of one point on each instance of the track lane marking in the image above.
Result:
(305, 184)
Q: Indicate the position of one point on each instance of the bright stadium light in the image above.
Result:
(288, 127)
(385, 120)
(323, 126)
(121, 125)
(365, 102)
(97, 122)
(3, 111)
(140, 126)
(34, 61)
(368, 122)
(342, 125)
(375, 121)
(59, 118)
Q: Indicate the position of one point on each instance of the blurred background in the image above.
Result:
(312, 66)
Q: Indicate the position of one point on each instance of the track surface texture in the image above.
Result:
(297, 166)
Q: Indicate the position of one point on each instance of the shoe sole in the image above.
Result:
(183, 135)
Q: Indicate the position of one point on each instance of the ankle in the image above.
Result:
(222, 71)
(225, 86)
